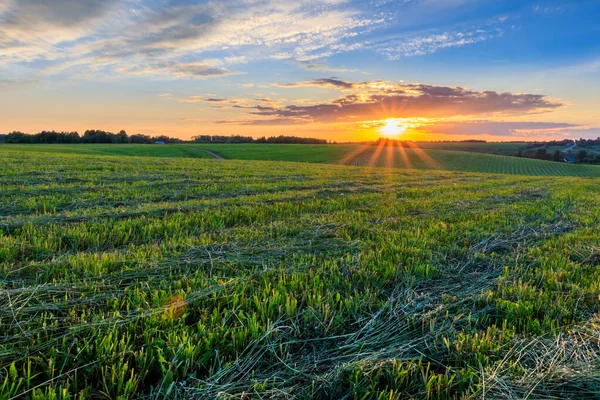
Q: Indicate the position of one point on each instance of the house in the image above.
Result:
(159, 142)
(570, 160)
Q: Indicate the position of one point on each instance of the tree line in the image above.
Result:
(281, 139)
(581, 156)
(90, 136)
(99, 136)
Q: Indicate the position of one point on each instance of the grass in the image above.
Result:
(138, 150)
(316, 153)
(182, 278)
(500, 148)
(417, 158)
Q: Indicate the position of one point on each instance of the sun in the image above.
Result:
(391, 128)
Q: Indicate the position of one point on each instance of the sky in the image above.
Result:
(344, 70)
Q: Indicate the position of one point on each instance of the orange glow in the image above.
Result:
(392, 128)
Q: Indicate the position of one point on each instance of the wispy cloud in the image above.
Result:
(170, 36)
(495, 128)
(198, 70)
(423, 45)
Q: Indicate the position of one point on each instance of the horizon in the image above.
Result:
(345, 71)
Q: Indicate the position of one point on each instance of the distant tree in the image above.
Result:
(582, 155)
(17, 137)
(139, 138)
(541, 154)
(557, 156)
(122, 137)
(97, 136)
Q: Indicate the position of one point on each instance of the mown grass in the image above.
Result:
(164, 278)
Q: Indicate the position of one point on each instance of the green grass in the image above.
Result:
(312, 153)
(139, 150)
(335, 154)
(469, 162)
(500, 148)
(126, 277)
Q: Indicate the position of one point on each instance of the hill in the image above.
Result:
(410, 158)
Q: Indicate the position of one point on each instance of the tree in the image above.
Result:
(557, 156)
(122, 137)
(582, 155)
(139, 138)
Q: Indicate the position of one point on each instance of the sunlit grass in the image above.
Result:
(127, 277)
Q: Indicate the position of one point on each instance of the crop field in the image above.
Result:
(243, 151)
(409, 158)
(417, 158)
(138, 150)
(126, 277)
(500, 148)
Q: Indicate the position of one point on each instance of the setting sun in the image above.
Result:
(391, 128)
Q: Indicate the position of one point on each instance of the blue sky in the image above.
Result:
(442, 69)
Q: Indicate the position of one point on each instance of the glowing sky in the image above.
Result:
(338, 69)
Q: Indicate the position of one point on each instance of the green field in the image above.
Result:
(124, 277)
(500, 148)
(424, 158)
(468, 162)
(138, 150)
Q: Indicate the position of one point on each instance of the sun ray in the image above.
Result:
(423, 156)
(389, 157)
(354, 154)
(404, 157)
(374, 158)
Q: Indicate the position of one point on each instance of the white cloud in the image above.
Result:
(423, 45)
(128, 35)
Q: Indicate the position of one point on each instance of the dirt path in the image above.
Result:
(215, 155)
(570, 148)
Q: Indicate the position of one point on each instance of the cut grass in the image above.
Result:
(164, 278)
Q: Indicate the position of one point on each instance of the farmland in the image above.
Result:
(419, 157)
(130, 277)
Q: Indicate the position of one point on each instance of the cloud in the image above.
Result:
(38, 15)
(17, 84)
(127, 35)
(325, 68)
(494, 128)
(327, 82)
(381, 100)
(31, 29)
(198, 70)
(423, 45)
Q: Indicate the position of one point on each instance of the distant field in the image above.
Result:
(154, 278)
(469, 162)
(140, 150)
(332, 154)
(274, 152)
(507, 149)
(312, 153)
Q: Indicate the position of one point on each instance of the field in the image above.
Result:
(137, 150)
(416, 158)
(500, 148)
(125, 277)
(411, 158)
